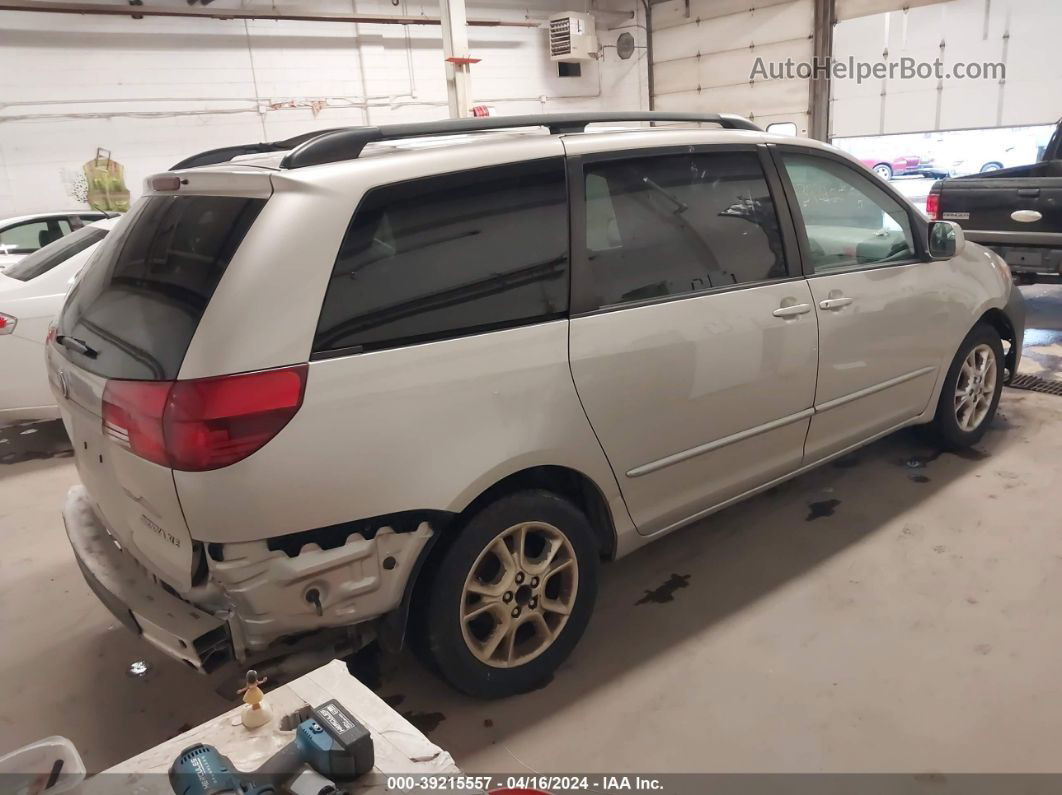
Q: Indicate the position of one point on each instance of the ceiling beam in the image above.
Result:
(199, 12)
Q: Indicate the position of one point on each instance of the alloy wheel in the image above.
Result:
(975, 387)
(519, 594)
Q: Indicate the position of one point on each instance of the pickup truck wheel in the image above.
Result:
(971, 390)
(512, 595)
(883, 170)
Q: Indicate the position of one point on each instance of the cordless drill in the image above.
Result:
(330, 747)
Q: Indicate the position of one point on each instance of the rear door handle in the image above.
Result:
(792, 311)
(834, 303)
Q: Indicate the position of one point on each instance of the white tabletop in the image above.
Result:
(399, 747)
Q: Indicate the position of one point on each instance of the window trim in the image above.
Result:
(317, 354)
(583, 298)
(919, 225)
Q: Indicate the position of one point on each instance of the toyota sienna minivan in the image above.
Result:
(416, 383)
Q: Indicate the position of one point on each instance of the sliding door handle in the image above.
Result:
(834, 303)
(792, 310)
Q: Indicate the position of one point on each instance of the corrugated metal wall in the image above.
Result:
(1023, 34)
(704, 52)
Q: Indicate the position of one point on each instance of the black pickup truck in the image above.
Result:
(1017, 212)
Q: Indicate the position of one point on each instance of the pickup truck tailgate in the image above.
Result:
(1025, 201)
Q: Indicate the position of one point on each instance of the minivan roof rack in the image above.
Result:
(226, 153)
(331, 146)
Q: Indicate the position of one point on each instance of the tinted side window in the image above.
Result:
(669, 225)
(450, 255)
(140, 299)
(43, 260)
(851, 223)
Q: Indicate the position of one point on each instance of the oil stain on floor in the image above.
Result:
(665, 592)
(424, 722)
(823, 508)
(33, 441)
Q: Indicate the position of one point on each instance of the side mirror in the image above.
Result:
(782, 128)
(946, 239)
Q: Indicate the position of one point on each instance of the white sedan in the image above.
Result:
(31, 293)
(25, 234)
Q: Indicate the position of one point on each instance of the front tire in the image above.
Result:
(883, 170)
(512, 595)
(971, 390)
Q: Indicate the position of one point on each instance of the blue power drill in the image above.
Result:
(330, 747)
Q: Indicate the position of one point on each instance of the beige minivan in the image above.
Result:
(420, 380)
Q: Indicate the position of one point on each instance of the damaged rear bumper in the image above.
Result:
(254, 596)
(136, 598)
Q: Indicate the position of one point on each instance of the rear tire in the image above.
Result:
(993, 166)
(971, 390)
(512, 595)
(883, 170)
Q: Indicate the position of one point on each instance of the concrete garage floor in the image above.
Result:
(896, 611)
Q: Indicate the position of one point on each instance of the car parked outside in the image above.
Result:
(986, 161)
(902, 166)
(31, 294)
(24, 234)
(363, 388)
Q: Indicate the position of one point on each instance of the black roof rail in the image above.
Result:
(346, 144)
(226, 153)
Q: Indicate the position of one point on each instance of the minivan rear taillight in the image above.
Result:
(204, 423)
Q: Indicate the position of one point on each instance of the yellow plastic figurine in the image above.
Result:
(256, 713)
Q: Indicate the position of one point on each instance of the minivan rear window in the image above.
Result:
(137, 305)
(44, 259)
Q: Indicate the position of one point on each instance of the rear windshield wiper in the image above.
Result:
(76, 345)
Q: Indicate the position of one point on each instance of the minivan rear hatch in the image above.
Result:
(120, 338)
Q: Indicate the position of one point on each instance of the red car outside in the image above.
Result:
(901, 166)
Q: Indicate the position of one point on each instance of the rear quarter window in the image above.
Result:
(448, 256)
(140, 301)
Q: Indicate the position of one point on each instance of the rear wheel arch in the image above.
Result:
(567, 483)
